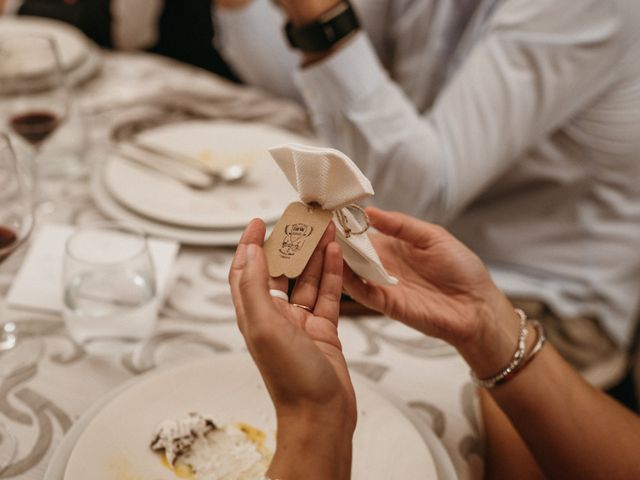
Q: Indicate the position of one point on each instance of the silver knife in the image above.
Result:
(190, 176)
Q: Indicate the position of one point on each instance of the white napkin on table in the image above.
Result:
(38, 284)
(329, 178)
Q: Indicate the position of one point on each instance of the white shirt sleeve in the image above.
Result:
(251, 39)
(536, 66)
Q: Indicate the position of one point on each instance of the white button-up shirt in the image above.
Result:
(521, 131)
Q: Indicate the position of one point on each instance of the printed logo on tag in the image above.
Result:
(294, 238)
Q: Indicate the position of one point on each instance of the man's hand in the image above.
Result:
(229, 4)
(303, 12)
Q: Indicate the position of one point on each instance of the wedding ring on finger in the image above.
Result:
(304, 307)
(279, 294)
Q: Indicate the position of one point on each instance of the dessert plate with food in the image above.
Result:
(212, 419)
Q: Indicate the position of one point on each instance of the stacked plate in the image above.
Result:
(112, 439)
(79, 57)
(164, 205)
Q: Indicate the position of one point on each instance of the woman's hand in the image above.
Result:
(444, 290)
(299, 356)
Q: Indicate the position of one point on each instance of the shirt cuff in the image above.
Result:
(352, 73)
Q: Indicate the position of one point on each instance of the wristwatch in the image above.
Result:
(326, 31)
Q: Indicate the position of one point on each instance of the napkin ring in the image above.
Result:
(344, 221)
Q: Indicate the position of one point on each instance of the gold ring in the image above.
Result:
(304, 307)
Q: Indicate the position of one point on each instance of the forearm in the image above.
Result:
(312, 449)
(357, 108)
(572, 429)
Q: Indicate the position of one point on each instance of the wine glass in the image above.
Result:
(35, 99)
(16, 224)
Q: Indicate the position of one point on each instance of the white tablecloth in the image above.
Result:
(41, 403)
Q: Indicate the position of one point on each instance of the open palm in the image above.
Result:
(297, 351)
(443, 287)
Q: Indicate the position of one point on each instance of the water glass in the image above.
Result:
(110, 297)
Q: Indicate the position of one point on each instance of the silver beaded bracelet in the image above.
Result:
(542, 338)
(516, 361)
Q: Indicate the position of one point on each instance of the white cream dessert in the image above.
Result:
(194, 446)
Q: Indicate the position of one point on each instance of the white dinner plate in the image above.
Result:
(60, 458)
(200, 237)
(73, 47)
(264, 192)
(229, 387)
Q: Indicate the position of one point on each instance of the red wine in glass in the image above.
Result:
(8, 239)
(35, 126)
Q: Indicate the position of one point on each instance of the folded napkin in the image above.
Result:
(329, 178)
(38, 284)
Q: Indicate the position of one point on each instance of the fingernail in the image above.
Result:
(252, 251)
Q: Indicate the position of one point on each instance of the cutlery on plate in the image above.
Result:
(229, 174)
(186, 174)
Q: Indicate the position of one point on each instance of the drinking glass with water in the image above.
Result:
(110, 296)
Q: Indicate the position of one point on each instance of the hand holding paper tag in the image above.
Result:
(329, 179)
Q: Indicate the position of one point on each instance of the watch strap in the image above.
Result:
(324, 33)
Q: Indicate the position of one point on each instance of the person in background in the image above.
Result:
(514, 123)
(174, 28)
(541, 421)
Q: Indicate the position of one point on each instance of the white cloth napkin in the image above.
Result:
(38, 284)
(329, 178)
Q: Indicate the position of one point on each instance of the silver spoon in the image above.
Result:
(229, 174)
(232, 173)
